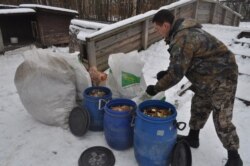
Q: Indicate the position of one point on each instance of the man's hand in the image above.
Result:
(161, 74)
(151, 90)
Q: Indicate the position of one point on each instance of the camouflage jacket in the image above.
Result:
(199, 56)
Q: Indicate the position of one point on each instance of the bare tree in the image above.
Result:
(100, 10)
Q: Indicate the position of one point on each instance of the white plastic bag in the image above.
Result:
(125, 78)
(48, 85)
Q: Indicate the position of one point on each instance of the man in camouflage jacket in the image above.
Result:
(213, 72)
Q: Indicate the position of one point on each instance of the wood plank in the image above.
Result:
(117, 29)
(123, 35)
(91, 54)
(204, 12)
(189, 7)
(213, 13)
(229, 15)
(117, 46)
(186, 12)
(154, 35)
(233, 20)
(195, 13)
(103, 67)
(218, 17)
(204, 6)
(151, 24)
(224, 15)
(145, 34)
(155, 38)
(129, 47)
(230, 19)
(203, 19)
(151, 30)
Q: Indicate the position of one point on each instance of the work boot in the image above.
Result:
(192, 138)
(234, 158)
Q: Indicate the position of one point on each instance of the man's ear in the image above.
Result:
(167, 25)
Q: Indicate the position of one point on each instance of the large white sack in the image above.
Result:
(48, 85)
(83, 79)
(125, 78)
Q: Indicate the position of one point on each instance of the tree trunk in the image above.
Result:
(134, 7)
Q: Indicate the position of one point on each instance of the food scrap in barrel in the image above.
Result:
(121, 108)
(97, 93)
(157, 112)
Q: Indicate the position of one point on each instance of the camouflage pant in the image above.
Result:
(221, 103)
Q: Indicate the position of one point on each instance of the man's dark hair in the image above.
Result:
(162, 16)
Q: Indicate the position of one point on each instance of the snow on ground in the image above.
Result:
(25, 141)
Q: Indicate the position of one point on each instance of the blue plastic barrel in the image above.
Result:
(95, 106)
(154, 138)
(117, 124)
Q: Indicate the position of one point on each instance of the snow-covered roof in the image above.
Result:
(16, 10)
(84, 27)
(7, 6)
(87, 24)
(48, 7)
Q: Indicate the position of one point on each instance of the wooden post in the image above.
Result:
(224, 17)
(195, 15)
(213, 13)
(91, 53)
(1, 42)
(145, 34)
(237, 21)
(233, 20)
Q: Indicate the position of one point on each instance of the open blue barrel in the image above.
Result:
(154, 137)
(94, 101)
(117, 123)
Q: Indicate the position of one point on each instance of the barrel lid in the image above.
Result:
(79, 121)
(181, 154)
(97, 155)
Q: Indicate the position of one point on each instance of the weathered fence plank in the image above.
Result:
(91, 54)
(126, 33)
(213, 13)
(145, 34)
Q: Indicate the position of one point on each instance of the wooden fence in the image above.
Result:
(138, 33)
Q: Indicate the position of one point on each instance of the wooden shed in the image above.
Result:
(15, 27)
(51, 26)
(138, 33)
